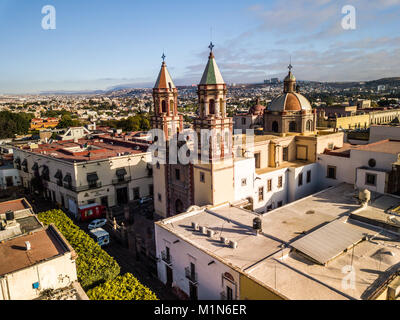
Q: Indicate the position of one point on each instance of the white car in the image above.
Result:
(98, 223)
(145, 200)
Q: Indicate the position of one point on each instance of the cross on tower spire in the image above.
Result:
(211, 46)
(163, 57)
(290, 67)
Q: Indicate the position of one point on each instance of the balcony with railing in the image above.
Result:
(121, 180)
(166, 258)
(82, 188)
(192, 276)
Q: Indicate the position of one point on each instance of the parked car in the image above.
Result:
(101, 236)
(145, 200)
(98, 223)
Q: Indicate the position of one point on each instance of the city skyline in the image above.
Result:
(253, 41)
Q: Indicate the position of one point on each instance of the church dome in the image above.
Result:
(289, 101)
(258, 109)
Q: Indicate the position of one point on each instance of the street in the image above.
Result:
(124, 257)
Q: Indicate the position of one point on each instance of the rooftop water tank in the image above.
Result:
(257, 224)
(9, 215)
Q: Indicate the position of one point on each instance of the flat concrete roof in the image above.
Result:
(329, 241)
(270, 259)
(372, 262)
(45, 244)
(99, 148)
(373, 259)
(384, 146)
(229, 222)
(297, 218)
(14, 205)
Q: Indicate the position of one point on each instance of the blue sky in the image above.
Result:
(98, 44)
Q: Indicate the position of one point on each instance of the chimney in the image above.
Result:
(27, 245)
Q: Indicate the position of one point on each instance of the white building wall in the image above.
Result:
(353, 170)
(210, 280)
(384, 161)
(378, 133)
(289, 191)
(244, 169)
(52, 274)
(345, 171)
(135, 165)
(9, 173)
(380, 182)
(277, 194)
(296, 191)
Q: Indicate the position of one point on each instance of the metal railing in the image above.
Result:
(82, 188)
(192, 276)
(121, 180)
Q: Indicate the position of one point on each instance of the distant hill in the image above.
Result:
(392, 82)
(84, 92)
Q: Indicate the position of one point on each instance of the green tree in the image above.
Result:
(125, 287)
(14, 123)
(66, 121)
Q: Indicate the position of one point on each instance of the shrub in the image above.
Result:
(93, 264)
(125, 287)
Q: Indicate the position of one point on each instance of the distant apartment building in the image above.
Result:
(43, 123)
(107, 170)
(330, 245)
(336, 110)
(34, 259)
(362, 103)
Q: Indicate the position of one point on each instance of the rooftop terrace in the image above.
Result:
(45, 244)
(100, 148)
(318, 264)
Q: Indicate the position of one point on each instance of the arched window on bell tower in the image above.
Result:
(163, 106)
(222, 106)
(171, 106)
(309, 125)
(212, 106)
